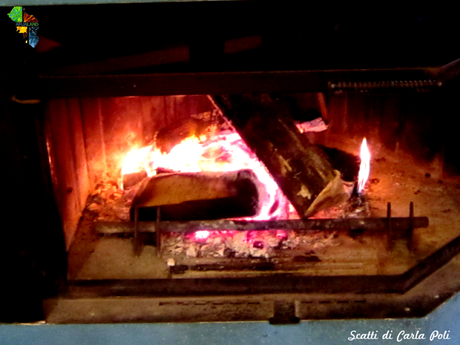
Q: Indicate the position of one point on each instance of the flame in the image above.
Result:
(135, 160)
(224, 152)
(365, 166)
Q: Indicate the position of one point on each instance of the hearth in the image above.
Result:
(356, 247)
(195, 191)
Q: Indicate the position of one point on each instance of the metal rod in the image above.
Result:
(136, 242)
(158, 231)
(389, 229)
(297, 224)
(410, 243)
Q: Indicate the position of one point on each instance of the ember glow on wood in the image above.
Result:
(365, 166)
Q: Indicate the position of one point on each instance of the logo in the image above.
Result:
(26, 25)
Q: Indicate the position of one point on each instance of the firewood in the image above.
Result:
(130, 180)
(199, 196)
(173, 134)
(201, 125)
(300, 168)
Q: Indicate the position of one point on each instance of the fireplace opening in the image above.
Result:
(103, 132)
(382, 229)
(203, 176)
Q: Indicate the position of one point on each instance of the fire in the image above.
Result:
(184, 157)
(365, 166)
(135, 160)
(224, 152)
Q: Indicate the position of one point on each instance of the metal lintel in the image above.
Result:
(62, 86)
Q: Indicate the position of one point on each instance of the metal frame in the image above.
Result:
(226, 83)
(282, 298)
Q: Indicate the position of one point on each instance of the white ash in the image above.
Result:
(192, 251)
(240, 244)
(355, 207)
(263, 244)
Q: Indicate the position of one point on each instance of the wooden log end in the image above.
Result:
(199, 196)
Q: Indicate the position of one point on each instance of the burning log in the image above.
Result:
(199, 196)
(300, 168)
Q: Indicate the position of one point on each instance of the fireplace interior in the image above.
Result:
(89, 138)
(102, 131)
(389, 249)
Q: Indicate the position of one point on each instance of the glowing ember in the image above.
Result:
(281, 234)
(202, 234)
(365, 166)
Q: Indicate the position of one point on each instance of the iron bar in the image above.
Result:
(389, 229)
(410, 243)
(396, 224)
(136, 241)
(158, 231)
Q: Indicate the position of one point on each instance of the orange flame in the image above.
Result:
(134, 160)
(224, 152)
(365, 166)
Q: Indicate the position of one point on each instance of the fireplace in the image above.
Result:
(390, 242)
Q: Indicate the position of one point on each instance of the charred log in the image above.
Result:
(300, 168)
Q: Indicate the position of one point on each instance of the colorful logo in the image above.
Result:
(26, 25)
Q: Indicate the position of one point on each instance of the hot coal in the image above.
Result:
(252, 244)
